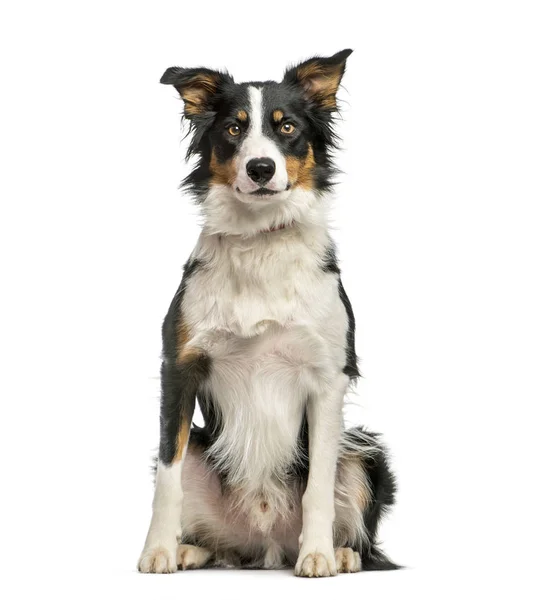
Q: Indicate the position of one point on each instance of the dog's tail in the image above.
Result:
(376, 560)
(383, 489)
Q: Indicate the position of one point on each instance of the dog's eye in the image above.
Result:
(287, 128)
(234, 130)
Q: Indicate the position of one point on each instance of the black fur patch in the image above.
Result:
(351, 369)
(330, 265)
(330, 261)
(179, 381)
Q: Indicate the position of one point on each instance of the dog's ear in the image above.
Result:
(197, 87)
(320, 78)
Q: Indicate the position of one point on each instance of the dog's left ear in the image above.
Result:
(197, 87)
(320, 78)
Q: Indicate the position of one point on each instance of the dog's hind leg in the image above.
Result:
(348, 560)
(364, 492)
(193, 557)
(217, 531)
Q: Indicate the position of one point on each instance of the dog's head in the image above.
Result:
(263, 148)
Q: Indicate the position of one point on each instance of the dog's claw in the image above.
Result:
(158, 560)
(348, 561)
(315, 564)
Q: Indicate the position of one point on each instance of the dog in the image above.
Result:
(261, 334)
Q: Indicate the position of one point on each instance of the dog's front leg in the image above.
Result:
(180, 380)
(324, 414)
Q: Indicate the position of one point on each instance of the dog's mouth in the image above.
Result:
(263, 191)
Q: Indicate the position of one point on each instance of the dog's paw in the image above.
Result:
(158, 560)
(347, 560)
(315, 564)
(192, 557)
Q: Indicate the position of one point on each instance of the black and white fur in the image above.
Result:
(261, 334)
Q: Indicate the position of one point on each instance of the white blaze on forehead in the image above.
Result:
(256, 112)
(257, 145)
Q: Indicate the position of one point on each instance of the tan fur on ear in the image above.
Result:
(196, 92)
(197, 87)
(319, 78)
(321, 82)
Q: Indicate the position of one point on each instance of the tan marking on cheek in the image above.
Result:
(300, 171)
(222, 173)
(277, 115)
(292, 164)
(242, 115)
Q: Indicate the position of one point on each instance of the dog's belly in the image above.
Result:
(229, 519)
(259, 387)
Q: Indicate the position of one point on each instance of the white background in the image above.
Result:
(433, 221)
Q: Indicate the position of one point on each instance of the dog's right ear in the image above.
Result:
(197, 87)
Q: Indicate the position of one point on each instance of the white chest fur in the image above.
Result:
(247, 283)
(272, 322)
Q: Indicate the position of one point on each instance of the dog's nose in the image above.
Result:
(261, 170)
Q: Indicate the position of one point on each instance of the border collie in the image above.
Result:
(261, 334)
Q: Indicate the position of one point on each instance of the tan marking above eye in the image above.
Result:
(234, 130)
(277, 115)
(287, 128)
(242, 115)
